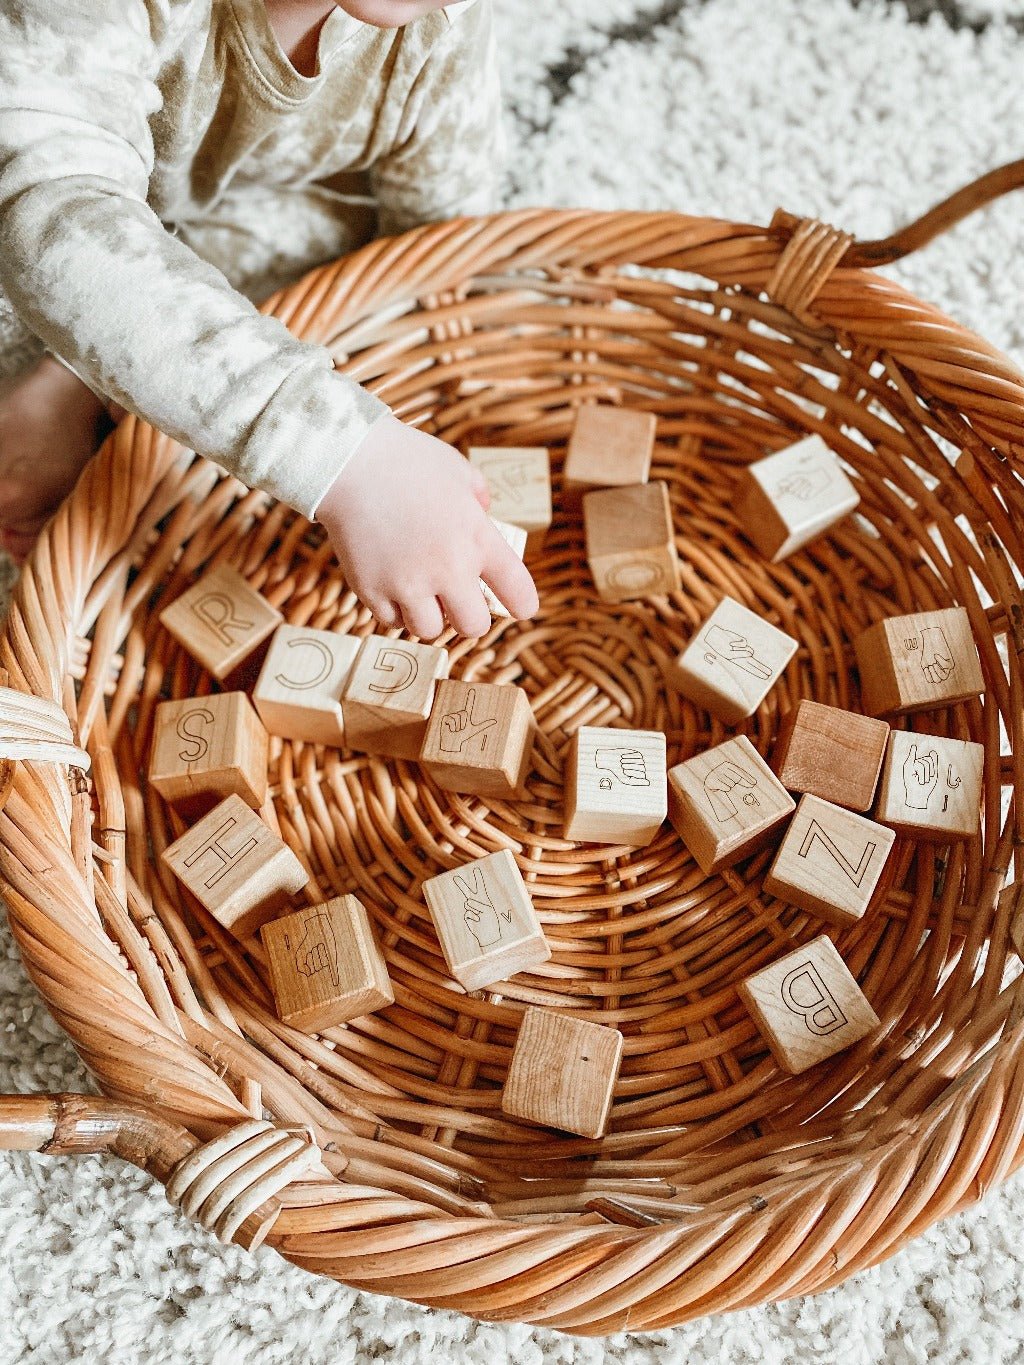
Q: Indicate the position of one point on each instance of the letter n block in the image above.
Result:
(830, 753)
(609, 447)
(808, 1006)
(389, 694)
(220, 620)
(563, 1072)
(631, 546)
(206, 748)
(479, 738)
(298, 693)
(793, 496)
(917, 662)
(830, 861)
(236, 866)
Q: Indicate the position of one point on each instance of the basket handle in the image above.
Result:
(883, 251)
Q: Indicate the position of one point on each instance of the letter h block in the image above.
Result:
(808, 1006)
(220, 620)
(389, 695)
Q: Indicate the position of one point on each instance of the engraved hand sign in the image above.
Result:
(720, 786)
(627, 766)
(803, 485)
(459, 728)
(479, 914)
(509, 477)
(920, 777)
(317, 950)
(937, 660)
(733, 648)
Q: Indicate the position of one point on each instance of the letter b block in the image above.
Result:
(389, 695)
(220, 620)
(298, 694)
(808, 1006)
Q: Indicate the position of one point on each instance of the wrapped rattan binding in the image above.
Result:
(721, 1184)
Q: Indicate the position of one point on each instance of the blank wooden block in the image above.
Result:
(325, 966)
(479, 738)
(616, 789)
(206, 748)
(732, 662)
(808, 1006)
(912, 663)
(485, 921)
(298, 692)
(519, 482)
(220, 620)
(563, 1072)
(830, 753)
(931, 786)
(830, 861)
(389, 694)
(793, 496)
(631, 546)
(726, 803)
(236, 866)
(609, 448)
(514, 536)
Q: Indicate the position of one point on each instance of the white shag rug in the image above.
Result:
(860, 113)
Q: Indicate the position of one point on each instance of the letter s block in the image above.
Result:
(206, 748)
(220, 620)
(808, 1006)
(389, 695)
(298, 692)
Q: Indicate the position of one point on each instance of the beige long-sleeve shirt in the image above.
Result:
(132, 128)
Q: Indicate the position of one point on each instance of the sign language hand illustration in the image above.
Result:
(803, 485)
(627, 766)
(317, 950)
(479, 914)
(720, 787)
(508, 477)
(920, 777)
(733, 648)
(937, 661)
(459, 728)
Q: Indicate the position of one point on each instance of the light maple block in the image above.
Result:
(220, 620)
(479, 738)
(631, 546)
(563, 1072)
(616, 789)
(206, 748)
(732, 662)
(325, 965)
(388, 696)
(298, 692)
(519, 482)
(515, 537)
(788, 499)
(829, 861)
(830, 753)
(931, 786)
(919, 661)
(609, 447)
(808, 1006)
(485, 921)
(726, 803)
(236, 866)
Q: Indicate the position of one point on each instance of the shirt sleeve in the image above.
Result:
(92, 272)
(449, 156)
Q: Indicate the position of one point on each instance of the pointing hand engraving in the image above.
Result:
(720, 786)
(458, 728)
(733, 648)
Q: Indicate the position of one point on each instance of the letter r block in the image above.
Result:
(808, 1006)
(220, 620)
(389, 695)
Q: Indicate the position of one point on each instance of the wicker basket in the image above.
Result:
(723, 1183)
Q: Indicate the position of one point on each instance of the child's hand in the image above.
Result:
(407, 520)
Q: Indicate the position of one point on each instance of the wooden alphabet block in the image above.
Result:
(389, 694)
(912, 663)
(631, 545)
(931, 786)
(732, 662)
(830, 753)
(726, 803)
(236, 866)
(485, 921)
(206, 748)
(830, 861)
(808, 1006)
(609, 448)
(479, 738)
(220, 620)
(298, 692)
(519, 482)
(793, 496)
(563, 1072)
(616, 789)
(325, 966)
(514, 536)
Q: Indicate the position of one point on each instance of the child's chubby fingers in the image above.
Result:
(466, 609)
(478, 484)
(423, 617)
(510, 580)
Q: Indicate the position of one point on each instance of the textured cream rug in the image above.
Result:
(862, 113)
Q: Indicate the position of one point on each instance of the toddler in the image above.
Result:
(165, 162)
